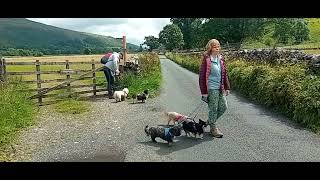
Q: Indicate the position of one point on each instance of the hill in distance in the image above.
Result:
(25, 37)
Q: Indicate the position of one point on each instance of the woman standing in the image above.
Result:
(214, 84)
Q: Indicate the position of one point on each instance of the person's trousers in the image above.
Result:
(217, 105)
(110, 80)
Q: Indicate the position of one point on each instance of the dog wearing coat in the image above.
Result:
(166, 134)
(175, 117)
(121, 95)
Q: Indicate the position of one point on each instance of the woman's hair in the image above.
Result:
(210, 44)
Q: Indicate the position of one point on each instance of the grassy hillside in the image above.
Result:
(314, 27)
(267, 40)
(19, 33)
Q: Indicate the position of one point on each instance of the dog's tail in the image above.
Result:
(146, 130)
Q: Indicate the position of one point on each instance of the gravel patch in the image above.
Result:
(103, 134)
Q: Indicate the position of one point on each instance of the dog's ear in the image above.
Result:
(201, 121)
(205, 124)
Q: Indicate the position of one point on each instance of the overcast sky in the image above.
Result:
(134, 28)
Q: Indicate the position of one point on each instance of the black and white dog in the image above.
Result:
(166, 134)
(141, 97)
(197, 129)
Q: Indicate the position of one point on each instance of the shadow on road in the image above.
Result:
(181, 142)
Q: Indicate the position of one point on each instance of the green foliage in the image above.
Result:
(140, 48)
(301, 32)
(72, 106)
(190, 28)
(171, 37)
(314, 28)
(20, 52)
(290, 30)
(287, 88)
(149, 78)
(233, 30)
(16, 111)
(284, 31)
(250, 32)
(152, 42)
(87, 50)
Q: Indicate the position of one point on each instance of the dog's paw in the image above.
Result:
(169, 144)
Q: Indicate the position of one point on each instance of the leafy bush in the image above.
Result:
(149, 78)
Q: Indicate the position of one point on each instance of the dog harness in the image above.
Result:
(179, 117)
(167, 133)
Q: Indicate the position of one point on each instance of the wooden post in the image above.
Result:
(68, 75)
(124, 45)
(94, 78)
(1, 70)
(38, 82)
(4, 69)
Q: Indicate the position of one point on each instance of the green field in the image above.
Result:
(313, 42)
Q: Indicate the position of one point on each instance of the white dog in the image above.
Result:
(118, 95)
(175, 117)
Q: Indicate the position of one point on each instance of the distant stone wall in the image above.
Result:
(278, 56)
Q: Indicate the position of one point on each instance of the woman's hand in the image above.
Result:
(204, 98)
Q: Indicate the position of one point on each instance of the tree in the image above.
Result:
(152, 42)
(171, 37)
(283, 30)
(233, 30)
(87, 50)
(140, 48)
(190, 28)
(290, 29)
(301, 31)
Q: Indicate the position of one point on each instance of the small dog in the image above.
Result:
(121, 95)
(166, 134)
(134, 97)
(194, 128)
(176, 117)
(141, 97)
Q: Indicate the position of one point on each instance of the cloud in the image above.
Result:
(134, 28)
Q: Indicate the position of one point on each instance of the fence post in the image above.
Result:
(68, 75)
(38, 82)
(94, 78)
(1, 66)
(4, 69)
(124, 46)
